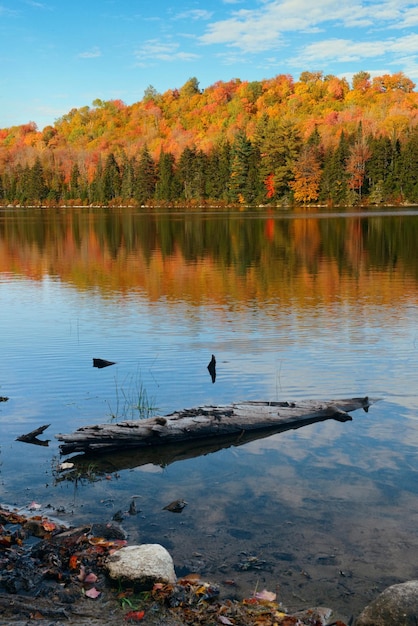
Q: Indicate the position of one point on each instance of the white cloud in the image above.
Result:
(346, 50)
(262, 29)
(194, 14)
(155, 50)
(37, 5)
(409, 18)
(90, 54)
(4, 11)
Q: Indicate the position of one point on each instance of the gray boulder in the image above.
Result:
(144, 565)
(396, 606)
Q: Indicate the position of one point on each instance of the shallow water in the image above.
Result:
(293, 305)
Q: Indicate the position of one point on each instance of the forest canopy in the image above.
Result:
(274, 141)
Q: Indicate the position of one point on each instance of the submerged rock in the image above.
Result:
(318, 615)
(396, 606)
(144, 564)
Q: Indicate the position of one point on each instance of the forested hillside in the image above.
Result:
(275, 141)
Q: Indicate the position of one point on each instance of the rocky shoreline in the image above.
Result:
(53, 575)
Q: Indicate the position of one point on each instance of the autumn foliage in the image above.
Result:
(274, 141)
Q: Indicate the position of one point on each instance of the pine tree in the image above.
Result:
(409, 167)
(242, 176)
(167, 186)
(334, 187)
(145, 179)
(127, 189)
(96, 189)
(23, 183)
(191, 172)
(218, 172)
(279, 144)
(111, 178)
(36, 189)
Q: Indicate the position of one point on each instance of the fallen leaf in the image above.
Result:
(34, 506)
(191, 577)
(224, 620)
(73, 561)
(90, 578)
(48, 526)
(135, 616)
(107, 543)
(269, 596)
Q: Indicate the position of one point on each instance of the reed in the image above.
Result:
(132, 400)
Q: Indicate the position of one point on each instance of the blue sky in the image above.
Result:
(60, 54)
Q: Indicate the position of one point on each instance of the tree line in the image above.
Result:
(273, 142)
(276, 168)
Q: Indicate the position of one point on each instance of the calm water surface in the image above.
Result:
(294, 306)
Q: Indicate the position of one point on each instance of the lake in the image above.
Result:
(307, 304)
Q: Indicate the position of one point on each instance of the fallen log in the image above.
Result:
(207, 422)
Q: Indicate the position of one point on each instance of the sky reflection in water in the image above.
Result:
(329, 509)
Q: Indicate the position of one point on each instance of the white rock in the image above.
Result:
(144, 564)
(396, 606)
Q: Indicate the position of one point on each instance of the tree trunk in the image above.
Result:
(206, 422)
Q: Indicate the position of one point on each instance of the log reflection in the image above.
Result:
(162, 456)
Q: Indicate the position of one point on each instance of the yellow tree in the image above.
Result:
(307, 176)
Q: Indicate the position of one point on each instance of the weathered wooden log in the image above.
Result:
(207, 422)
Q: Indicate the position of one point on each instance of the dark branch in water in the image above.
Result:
(32, 437)
(212, 368)
(102, 363)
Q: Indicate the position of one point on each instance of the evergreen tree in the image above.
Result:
(409, 167)
(191, 173)
(36, 190)
(111, 178)
(392, 185)
(145, 179)
(167, 186)
(127, 189)
(96, 189)
(23, 184)
(56, 189)
(243, 184)
(218, 172)
(279, 143)
(379, 167)
(334, 186)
